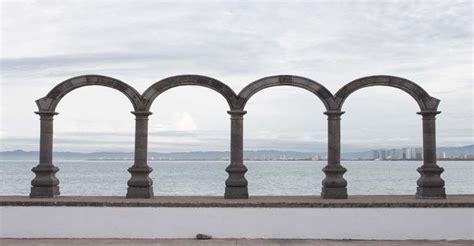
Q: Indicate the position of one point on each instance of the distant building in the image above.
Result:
(418, 154)
(380, 154)
(398, 154)
(412, 153)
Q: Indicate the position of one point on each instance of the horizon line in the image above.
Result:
(278, 150)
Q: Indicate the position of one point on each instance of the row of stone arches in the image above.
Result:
(45, 184)
(143, 102)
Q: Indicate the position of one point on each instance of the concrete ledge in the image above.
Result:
(228, 222)
(295, 217)
(388, 201)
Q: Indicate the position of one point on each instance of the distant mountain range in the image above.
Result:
(214, 155)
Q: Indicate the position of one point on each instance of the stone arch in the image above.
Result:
(289, 80)
(51, 100)
(181, 80)
(424, 100)
(430, 184)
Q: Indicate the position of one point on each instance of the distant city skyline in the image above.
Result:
(45, 43)
(392, 154)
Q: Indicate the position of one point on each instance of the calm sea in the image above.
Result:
(94, 178)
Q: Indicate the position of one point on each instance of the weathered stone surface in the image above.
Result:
(357, 201)
(45, 183)
(334, 184)
(328, 192)
(51, 100)
(44, 192)
(424, 100)
(181, 80)
(140, 185)
(430, 184)
(289, 80)
(140, 192)
(236, 183)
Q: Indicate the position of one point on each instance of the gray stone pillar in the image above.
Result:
(140, 184)
(334, 185)
(236, 184)
(45, 183)
(430, 184)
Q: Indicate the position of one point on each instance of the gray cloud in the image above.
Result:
(330, 42)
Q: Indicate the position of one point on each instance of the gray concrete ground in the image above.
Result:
(221, 242)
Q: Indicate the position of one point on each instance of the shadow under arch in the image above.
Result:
(51, 100)
(424, 100)
(289, 80)
(181, 80)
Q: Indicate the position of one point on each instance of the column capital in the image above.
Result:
(334, 114)
(46, 113)
(428, 112)
(236, 112)
(141, 113)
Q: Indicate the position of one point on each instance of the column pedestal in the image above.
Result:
(334, 184)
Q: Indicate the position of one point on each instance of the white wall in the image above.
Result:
(316, 223)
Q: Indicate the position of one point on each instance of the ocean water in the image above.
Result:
(97, 178)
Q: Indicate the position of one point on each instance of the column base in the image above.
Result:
(44, 192)
(236, 193)
(334, 193)
(140, 192)
(430, 193)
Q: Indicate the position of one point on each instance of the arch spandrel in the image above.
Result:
(51, 100)
(181, 80)
(287, 80)
(424, 100)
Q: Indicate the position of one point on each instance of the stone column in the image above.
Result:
(140, 184)
(334, 185)
(236, 184)
(430, 184)
(45, 183)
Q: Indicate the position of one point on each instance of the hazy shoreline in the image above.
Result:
(207, 160)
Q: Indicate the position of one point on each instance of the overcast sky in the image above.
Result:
(140, 42)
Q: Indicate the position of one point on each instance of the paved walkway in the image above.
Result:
(222, 242)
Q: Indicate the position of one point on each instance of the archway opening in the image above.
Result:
(188, 142)
(285, 142)
(94, 142)
(381, 141)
